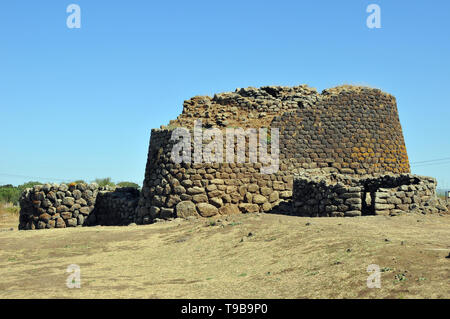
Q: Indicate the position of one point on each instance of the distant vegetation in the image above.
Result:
(107, 182)
(441, 193)
(11, 194)
(128, 184)
(10, 209)
(104, 181)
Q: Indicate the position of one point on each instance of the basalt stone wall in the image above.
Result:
(347, 130)
(57, 206)
(114, 208)
(353, 131)
(246, 107)
(61, 206)
(336, 195)
(206, 189)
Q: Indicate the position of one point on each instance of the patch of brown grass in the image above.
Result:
(9, 215)
(242, 256)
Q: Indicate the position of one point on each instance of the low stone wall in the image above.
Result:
(57, 206)
(113, 208)
(333, 195)
(336, 195)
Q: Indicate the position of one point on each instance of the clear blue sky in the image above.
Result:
(80, 103)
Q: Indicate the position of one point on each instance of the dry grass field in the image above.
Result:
(240, 256)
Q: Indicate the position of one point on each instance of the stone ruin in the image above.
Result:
(346, 130)
(61, 206)
(337, 195)
(341, 153)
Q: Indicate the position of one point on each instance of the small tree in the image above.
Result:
(11, 194)
(104, 182)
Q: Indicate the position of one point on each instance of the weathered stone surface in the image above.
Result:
(248, 197)
(66, 215)
(173, 200)
(248, 208)
(259, 199)
(60, 223)
(184, 209)
(217, 181)
(200, 198)
(154, 212)
(75, 207)
(352, 213)
(85, 210)
(72, 222)
(266, 207)
(62, 208)
(45, 217)
(81, 202)
(41, 225)
(216, 201)
(166, 213)
(286, 194)
(266, 191)
(274, 196)
(80, 219)
(353, 201)
(195, 190)
(179, 189)
(68, 201)
(229, 209)
(383, 206)
(207, 210)
(76, 194)
(394, 200)
(51, 224)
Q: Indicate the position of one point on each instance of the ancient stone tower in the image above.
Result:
(347, 130)
(335, 154)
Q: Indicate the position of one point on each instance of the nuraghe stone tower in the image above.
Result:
(349, 130)
(340, 153)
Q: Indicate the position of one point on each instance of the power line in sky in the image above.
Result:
(431, 164)
(34, 177)
(431, 161)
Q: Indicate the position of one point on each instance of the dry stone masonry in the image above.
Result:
(341, 153)
(115, 207)
(336, 195)
(351, 131)
(72, 205)
(56, 206)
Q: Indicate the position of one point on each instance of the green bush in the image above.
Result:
(11, 194)
(128, 184)
(104, 182)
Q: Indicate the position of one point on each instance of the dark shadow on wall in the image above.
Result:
(283, 208)
(116, 208)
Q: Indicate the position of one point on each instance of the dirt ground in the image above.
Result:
(240, 256)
